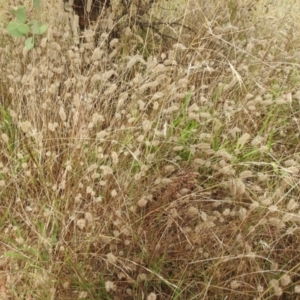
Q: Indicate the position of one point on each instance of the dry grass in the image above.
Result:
(153, 168)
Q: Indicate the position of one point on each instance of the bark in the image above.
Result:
(88, 10)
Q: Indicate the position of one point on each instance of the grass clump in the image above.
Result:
(159, 164)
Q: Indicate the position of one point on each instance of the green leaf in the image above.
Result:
(188, 129)
(43, 29)
(186, 99)
(37, 4)
(34, 26)
(29, 43)
(19, 13)
(13, 254)
(17, 29)
(23, 28)
(178, 120)
(37, 27)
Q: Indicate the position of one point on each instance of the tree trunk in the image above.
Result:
(88, 10)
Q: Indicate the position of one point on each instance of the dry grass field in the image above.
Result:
(158, 162)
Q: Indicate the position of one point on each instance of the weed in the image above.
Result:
(162, 163)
